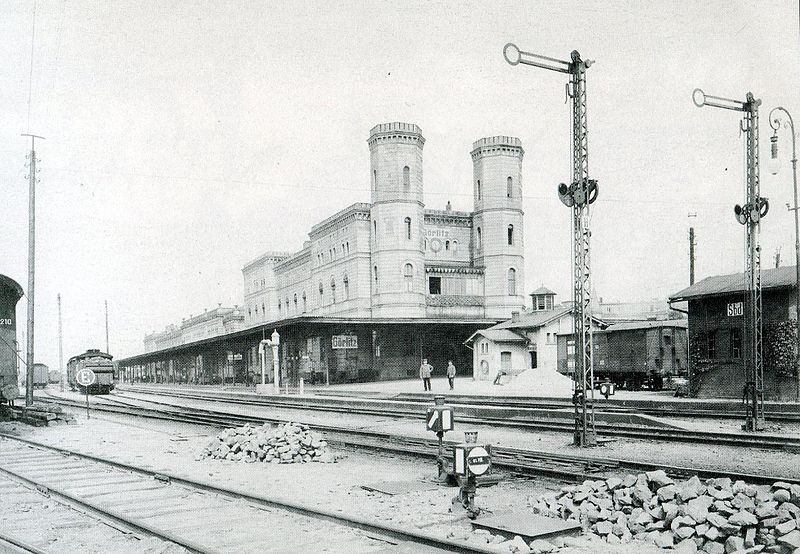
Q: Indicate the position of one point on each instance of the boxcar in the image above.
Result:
(41, 375)
(10, 293)
(102, 366)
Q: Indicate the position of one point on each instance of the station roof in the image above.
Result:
(720, 285)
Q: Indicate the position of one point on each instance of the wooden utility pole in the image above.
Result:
(61, 346)
(29, 361)
(107, 348)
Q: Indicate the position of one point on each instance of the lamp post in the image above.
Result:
(274, 343)
(774, 167)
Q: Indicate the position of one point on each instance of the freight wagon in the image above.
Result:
(10, 293)
(634, 354)
(41, 376)
(102, 366)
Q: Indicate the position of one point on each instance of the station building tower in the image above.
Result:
(497, 223)
(397, 218)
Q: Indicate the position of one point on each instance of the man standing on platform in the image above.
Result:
(451, 373)
(425, 371)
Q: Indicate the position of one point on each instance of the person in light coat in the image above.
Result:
(425, 370)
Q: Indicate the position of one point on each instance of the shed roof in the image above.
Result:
(649, 324)
(772, 278)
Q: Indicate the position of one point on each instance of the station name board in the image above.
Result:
(339, 342)
(735, 309)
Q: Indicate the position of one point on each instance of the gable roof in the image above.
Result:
(532, 320)
(772, 278)
(497, 335)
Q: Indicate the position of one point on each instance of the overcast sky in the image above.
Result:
(185, 138)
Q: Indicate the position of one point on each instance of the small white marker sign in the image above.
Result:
(85, 377)
(478, 460)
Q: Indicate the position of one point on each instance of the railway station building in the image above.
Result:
(717, 331)
(377, 286)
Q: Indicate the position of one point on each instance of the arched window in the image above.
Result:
(408, 277)
(333, 291)
(346, 282)
(510, 235)
(480, 238)
(375, 277)
(408, 228)
(249, 314)
(295, 302)
(321, 292)
(509, 187)
(263, 310)
(512, 282)
(374, 178)
(447, 245)
(455, 246)
(305, 304)
(424, 244)
(279, 307)
(375, 228)
(406, 178)
(478, 188)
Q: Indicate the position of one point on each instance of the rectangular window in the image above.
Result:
(434, 285)
(736, 343)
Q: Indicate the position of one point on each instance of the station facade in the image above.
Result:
(717, 334)
(378, 286)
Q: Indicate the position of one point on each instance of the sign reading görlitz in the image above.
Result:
(339, 342)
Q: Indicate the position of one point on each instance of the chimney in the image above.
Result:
(514, 316)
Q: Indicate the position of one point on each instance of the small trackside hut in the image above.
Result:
(716, 307)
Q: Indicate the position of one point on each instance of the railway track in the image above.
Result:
(516, 460)
(751, 440)
(171, 507)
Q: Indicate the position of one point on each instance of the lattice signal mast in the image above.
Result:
(749, 215)
(578, 195)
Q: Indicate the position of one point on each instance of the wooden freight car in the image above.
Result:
(102, 366)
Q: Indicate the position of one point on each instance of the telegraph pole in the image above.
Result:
(107, 348)
(31, 265)
(692, 244)
(749, 215)
(578, 196)
(60, 346)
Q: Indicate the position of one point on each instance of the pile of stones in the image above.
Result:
(290, 443)
(717, 516)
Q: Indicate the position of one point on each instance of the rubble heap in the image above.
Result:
(716, 515)
(289, 443)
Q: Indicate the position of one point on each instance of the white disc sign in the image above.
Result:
(85, 377)
(478, 460)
